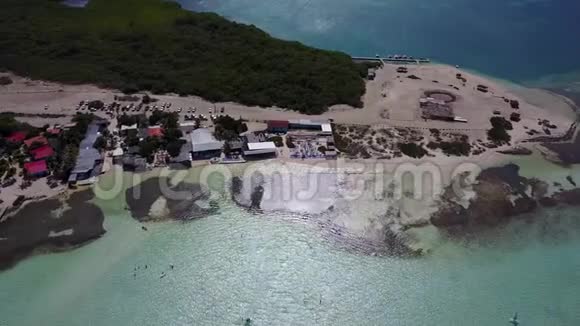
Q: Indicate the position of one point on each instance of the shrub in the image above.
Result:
(501, 122)
(278, 141)
(5, 80)
(498, 133)
(455, 148)
(412, 150)
(96, 104)
(289, 142)
(174, 147)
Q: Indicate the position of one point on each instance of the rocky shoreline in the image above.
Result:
(157, 199)
(41, 227)
(501, 194)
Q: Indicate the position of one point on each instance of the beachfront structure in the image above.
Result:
(90, 161)
(259, 150)
(125, 129)
(155, 131)
(42, 152)
(304, 124)
(40, 140)
(54, 131)
(36, 169)
(118, 155)
(204, 144)
(16, 137)
(323, 127)
(278, 126)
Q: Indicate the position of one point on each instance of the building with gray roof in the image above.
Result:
(89, 161)
(204, 145)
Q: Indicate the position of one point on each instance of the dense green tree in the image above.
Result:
(228, 128)
(174, 147)
(156, 46)
(100, 143)
(499, 131)
(412, 150)
(148, 147)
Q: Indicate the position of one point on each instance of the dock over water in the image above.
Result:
(401, 59)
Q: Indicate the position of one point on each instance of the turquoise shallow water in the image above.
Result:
(236, 265)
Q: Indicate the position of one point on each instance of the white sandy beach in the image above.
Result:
(399, 106)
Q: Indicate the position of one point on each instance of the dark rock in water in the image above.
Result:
(450, 216)
(572, 182)
(568, 197)
(253, 199)
(566, 148)
(548, 202)
(34, 227)
(501, 194)
(256, 197)
(181, 199)
(517, 151)
(524, 205)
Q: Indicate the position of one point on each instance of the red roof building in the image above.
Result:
(53, 131)
(155, 132)
(41, 152)
(17, 137)
(38, 139)
(36, 168)
(278, 126)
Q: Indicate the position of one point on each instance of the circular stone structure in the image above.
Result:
(441, 95)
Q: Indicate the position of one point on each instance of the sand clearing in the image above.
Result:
(391, 99)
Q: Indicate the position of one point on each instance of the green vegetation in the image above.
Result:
(8, 125)
(4, 166)
(228, 128)
(170, 141)
(413, 150)
(290, 142)
(155, 45)
(100, 143)
(5, 80)
(499, 131)
(452, 148)
(277, 140)
(131, 119)
(344, 144)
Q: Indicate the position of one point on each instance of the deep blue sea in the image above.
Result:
(519, 40)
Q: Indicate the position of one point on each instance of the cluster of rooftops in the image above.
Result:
(40, 149)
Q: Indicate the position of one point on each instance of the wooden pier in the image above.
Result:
(400, 59)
